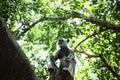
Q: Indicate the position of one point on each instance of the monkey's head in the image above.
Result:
(63, 42)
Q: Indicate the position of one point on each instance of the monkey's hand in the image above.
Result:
(52, 60)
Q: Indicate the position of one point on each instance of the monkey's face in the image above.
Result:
(63, 42)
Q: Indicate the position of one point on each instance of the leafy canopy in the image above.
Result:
(57, 18)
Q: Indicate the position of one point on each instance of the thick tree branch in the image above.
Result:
(36, 22)
(104, 24)
(74, 14)
(98, 22)
(41, 20)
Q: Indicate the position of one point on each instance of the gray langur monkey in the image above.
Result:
(66, 57)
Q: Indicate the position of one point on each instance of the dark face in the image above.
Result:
(63, 42)
(60, 41)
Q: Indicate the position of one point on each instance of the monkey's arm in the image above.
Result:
(53, 69)
(52, 61)
(57, 55)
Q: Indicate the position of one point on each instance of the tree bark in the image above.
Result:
(14, 65)
(61, 74)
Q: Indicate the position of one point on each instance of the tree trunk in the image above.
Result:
(14, 64)
(61, 74)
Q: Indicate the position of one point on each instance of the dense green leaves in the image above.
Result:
(58, 20)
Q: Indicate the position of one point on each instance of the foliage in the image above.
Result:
(41, 39)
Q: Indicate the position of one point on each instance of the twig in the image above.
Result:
(85, 39)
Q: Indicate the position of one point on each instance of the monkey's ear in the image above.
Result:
(68, 40)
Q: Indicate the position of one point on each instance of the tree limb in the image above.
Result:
(36, 22)
(88, 55)
(103, 60)
(98, 22)
(93, 34)
(41, 20)
(110, 68)
(74, 14)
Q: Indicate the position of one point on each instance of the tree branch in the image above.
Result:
(36, 22)
(98, 22)
(43, 19)
(103, 60)
(74, 14)
(110, 68)
(93, 34)
(88, 55)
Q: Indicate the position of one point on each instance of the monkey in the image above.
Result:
(66, 57)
